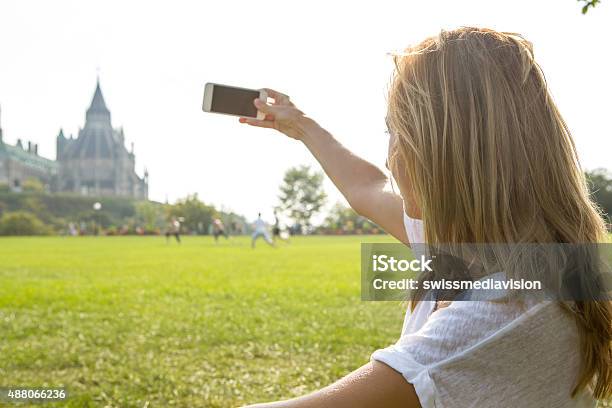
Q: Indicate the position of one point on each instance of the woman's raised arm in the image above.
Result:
(361, 182)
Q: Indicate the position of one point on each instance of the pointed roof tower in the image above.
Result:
(97, 138)
(98, 110)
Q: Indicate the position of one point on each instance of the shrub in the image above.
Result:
(22, 223)
(33, 185)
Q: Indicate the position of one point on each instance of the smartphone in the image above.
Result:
(231, 100)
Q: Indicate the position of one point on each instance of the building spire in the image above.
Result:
(98, 110)
(97, 102)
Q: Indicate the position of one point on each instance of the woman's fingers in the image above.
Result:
(274, 110)
(278, 97)
(264, 107)
(258, 122)
(274, 114)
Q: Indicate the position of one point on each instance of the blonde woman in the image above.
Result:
(480, 154)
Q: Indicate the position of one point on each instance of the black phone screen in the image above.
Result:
(235, 101)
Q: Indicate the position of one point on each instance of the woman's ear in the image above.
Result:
(412, 209)
(411, 206)
(396, 165)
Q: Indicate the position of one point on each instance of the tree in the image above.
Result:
(150, 215)
(600, 185)
(588, 4)
(301, 194)
(346, 220)
(196, 215)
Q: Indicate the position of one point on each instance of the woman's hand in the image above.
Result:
(281, 115)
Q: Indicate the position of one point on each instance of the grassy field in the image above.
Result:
(134, 322)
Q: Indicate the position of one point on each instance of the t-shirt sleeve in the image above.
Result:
(446, 334)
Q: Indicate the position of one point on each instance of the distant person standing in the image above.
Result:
(277, 232)
(236, 229)
(260, 231)
(218, 229)
(72, 229)
(173, 228)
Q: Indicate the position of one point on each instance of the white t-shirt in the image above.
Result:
(260, 226)
(488, 353)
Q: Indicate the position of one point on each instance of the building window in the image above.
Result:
(107, 184)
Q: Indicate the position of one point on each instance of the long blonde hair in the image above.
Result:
(490, 160)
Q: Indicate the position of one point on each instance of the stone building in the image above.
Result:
(95, 163)
(19, 163)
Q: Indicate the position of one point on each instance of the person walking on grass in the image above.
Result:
(173, 229)
(218, 229)
(480, 154)
(277, 233)
(261, 230)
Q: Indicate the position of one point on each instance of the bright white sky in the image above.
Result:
(330, 56)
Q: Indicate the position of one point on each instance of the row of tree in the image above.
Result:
(34, 212)
(301, 198)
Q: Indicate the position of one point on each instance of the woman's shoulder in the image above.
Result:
(498, 318)
(471, 343)
(467, 325)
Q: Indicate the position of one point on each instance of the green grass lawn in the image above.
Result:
(134, 322)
